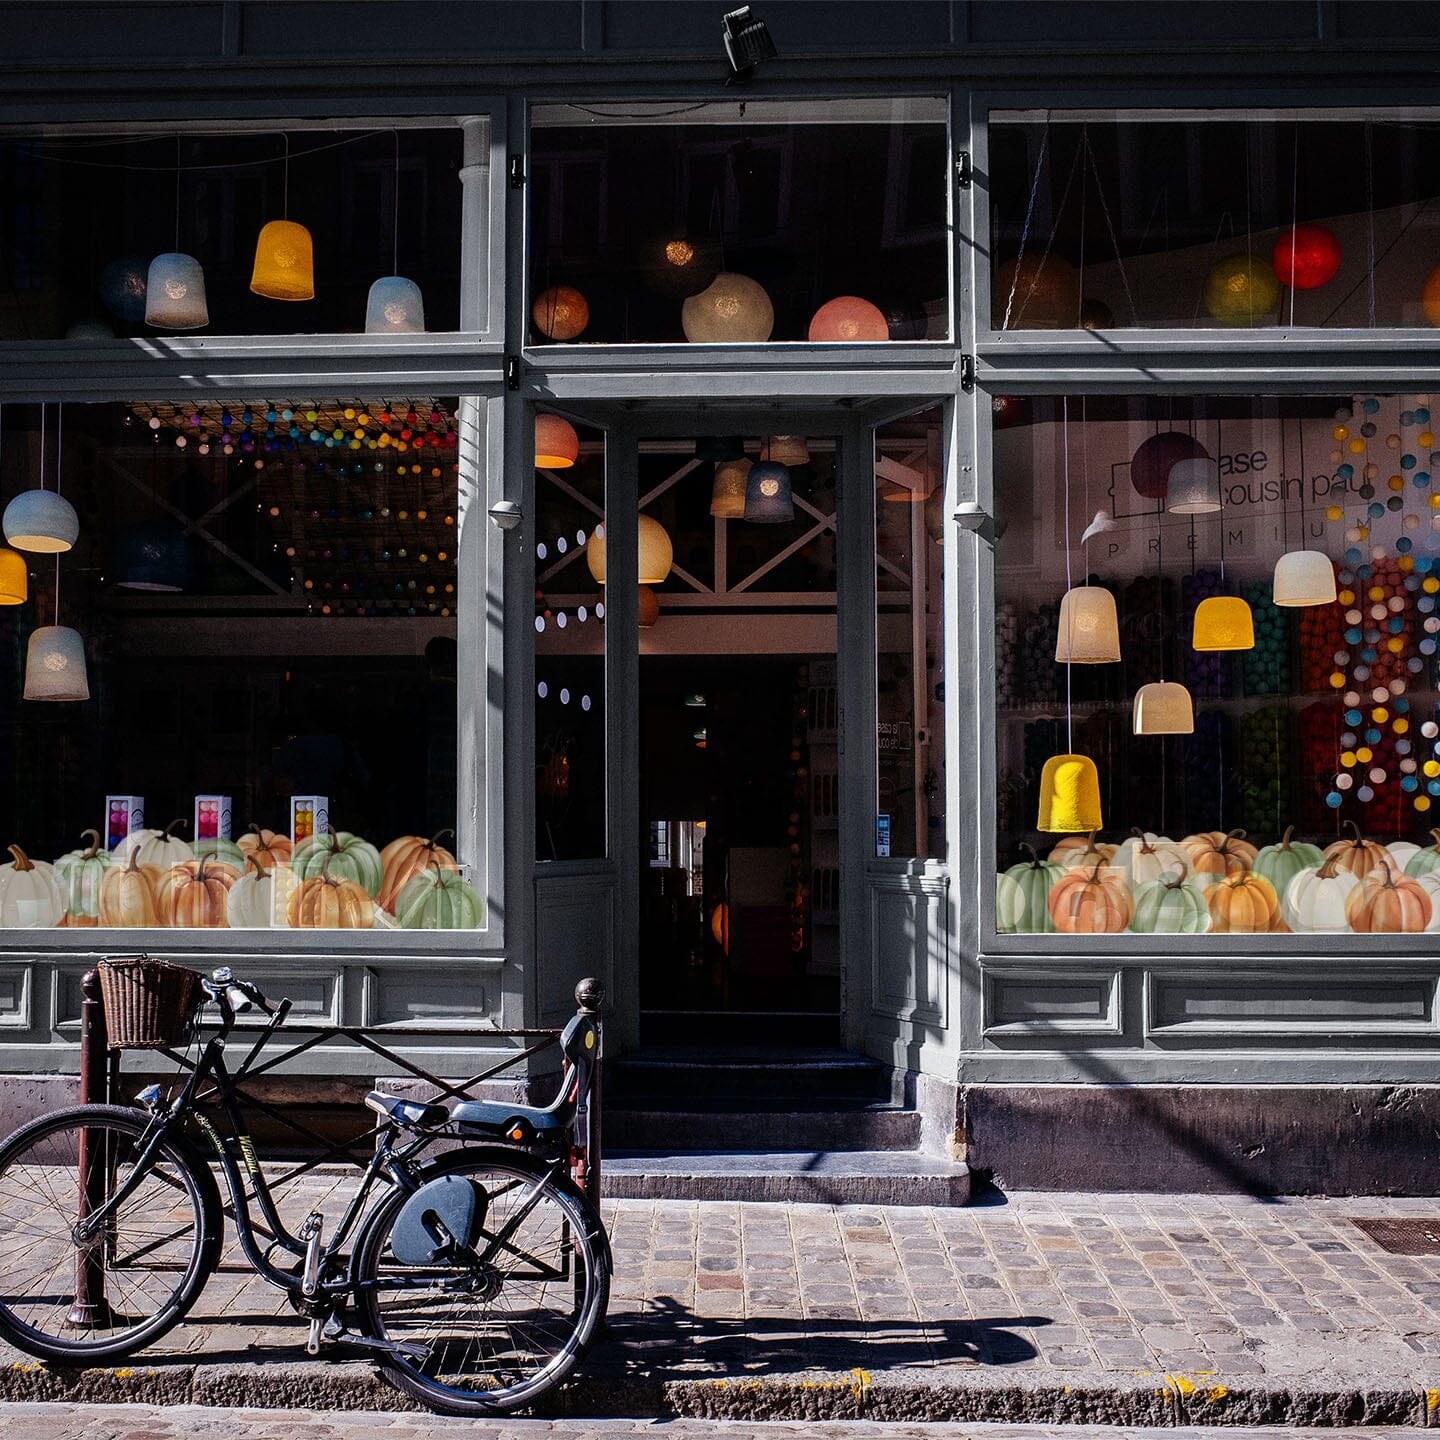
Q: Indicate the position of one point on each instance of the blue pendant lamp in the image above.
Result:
(769, 498)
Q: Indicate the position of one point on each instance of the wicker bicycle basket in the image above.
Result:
(149, 1004)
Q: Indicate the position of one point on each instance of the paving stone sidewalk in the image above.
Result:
(1124, 1308)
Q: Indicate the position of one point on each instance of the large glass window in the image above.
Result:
(248, 653)
(1216, 638)
(248, 233)
(1213, 222)
(739, 222)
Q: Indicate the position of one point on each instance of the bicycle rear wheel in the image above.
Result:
(485, 1338)
(140, 1273)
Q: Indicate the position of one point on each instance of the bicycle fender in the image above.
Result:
(441, 1219)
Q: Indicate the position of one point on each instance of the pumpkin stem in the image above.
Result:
(1239, 860)
(134, 862)
(325, 870)
(1036, 862)
(93, 836)
(1354, 830)
(1328, 866)
(439, 835)
(173, 825)
(202, 858)
(1435, 836)
(1099, 866)
(251, 858)
(22, 860)
(1285, 838)
(1177, 883)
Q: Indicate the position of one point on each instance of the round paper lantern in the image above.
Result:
(557, 446)
(1069, 795)
(1194, 487)
(1223, 622)
(1306, 257)
(394, 306)
(1153, 460)
(122, 288)
(1164, 708)
(769, 497)
(1089, 629)
(55, 665)
(731, 310)
(1036, 293)
(649, 610)
(14, 578)
(848, 319)
(655, 558)
(727, 494)
(175, 293)
(1430, 296)
(1240, 290)
(561, 312)
(679, 265)
(153, 556)
(284, 262)
(42, 521)
(1304, 577)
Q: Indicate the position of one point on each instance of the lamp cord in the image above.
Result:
(395, 239)
(1294, 215)
(42, 444)
(285, 192)
(177, 193)
(1070, 608)
(1219, 455)
(59, 466)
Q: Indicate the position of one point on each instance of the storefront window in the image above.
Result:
(250, 233)
(1240, 731)
(570, 631)
(249, 650)
(909, 639)
(739, 222)
(1211, 222)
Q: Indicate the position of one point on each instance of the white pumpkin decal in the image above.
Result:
(32, 895)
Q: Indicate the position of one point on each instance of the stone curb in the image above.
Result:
(1093, 1399)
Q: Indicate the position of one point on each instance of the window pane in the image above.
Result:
(87, 214)
(1268, 567)
(255, 670)
(909, 635)
(1212, 222)
(635, 210)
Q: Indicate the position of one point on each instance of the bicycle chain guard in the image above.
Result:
(440, 1221)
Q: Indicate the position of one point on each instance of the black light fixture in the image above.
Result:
(747, 43)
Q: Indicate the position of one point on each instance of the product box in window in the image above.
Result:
(124, 815)
(309, 815)
(212, 817)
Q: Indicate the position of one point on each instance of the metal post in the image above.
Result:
(91, 1309)
(589, 997)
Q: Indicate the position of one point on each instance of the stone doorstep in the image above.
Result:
(1080, 1397)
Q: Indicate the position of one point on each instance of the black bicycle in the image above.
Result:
(477, 1279)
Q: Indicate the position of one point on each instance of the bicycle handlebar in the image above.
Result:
(238, 996)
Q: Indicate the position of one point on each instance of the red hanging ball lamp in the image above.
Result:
(1306, 257)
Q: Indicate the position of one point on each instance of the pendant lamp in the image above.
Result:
(1163, 708)
(175, 293)
(153, 556)
(557, 446)
(284, 262)
(769, 498)
(656, 554)
(395, 305)
(1304, 577)
(1155, 458)
(788, 450)
(649, 608)
(122, 288)
(560, 313)
(678, 265)
(55, 665)
(1194, 487)
(1069, 795)
(731, 310)
(1223, 622)
(1089, 629)
(41, 520)
(727, 494)
(848, 319)
(14, 578)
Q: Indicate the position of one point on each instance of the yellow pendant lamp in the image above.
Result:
(1089, 629)
(14, 578)
(1069, 795)
(1223, 622)
(284, 255)
(727, 493)
(1163, 707)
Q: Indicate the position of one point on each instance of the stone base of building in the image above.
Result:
(1260, 1140)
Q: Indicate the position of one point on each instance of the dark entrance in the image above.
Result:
(738, 940)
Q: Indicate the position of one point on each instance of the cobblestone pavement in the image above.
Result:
(183, 1422)
(1197, 1297)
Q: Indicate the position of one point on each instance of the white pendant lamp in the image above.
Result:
(41, 521)
(1163, 708)
(1194, 487)
(175, 293)
(1089, 629)
(395, 305)
(727, 493)
(1304, 577)
(732, 309)
(55, 665)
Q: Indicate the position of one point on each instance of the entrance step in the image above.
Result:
(792, 1075)
(865, 1177)
(665, 1122)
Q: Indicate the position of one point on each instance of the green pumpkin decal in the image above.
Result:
(439, 899)
(1425, 861)
(80, 872)
(1172, 906)
(1280, 864)
(227, 852)
(351, 858)
(1034, 877)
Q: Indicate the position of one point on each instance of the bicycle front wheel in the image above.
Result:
(498, 1332)
(72, 1300)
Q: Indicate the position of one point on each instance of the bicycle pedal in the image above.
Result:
(312, 1344)
(311, 1225)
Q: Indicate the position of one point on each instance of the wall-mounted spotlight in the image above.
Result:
(505, 514)
(747, 43)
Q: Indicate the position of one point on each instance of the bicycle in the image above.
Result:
(478, 1276)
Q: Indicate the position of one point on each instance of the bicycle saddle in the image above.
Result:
(421, 1114)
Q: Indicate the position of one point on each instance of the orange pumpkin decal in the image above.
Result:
(1212, 851)
(1082, 851)
(1358, 855)
(327, 902)
(1092, 902)
(193, 896)
(1244, 903)
(127, 894)
(1388, 904)
(268, 845)
(407, 857)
